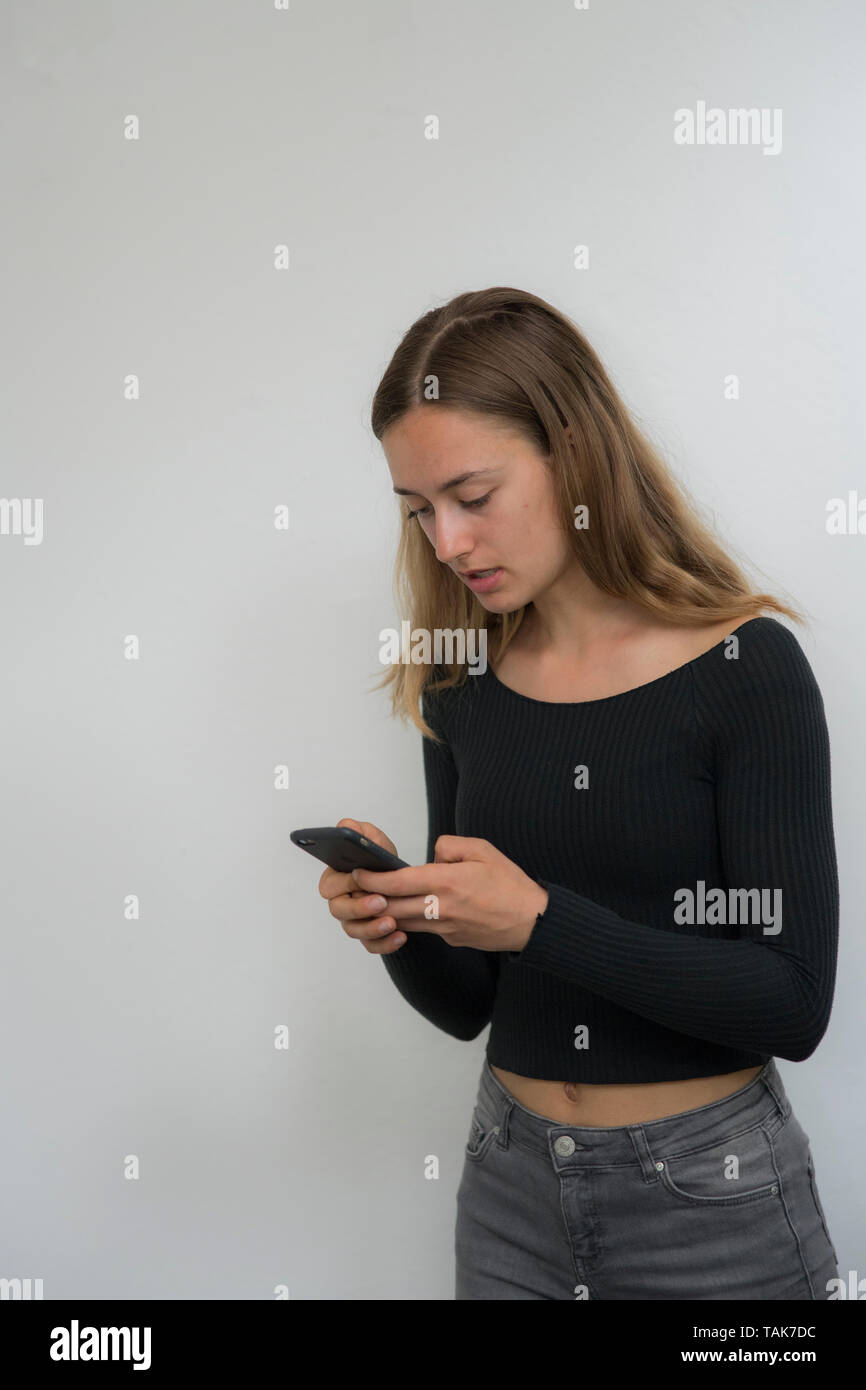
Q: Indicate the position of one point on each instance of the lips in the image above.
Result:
(481, 583)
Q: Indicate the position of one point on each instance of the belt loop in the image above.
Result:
(502, 1138)
(642, 1149)
(773, 1082)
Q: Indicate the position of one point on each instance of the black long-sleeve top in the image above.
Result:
(642, 814)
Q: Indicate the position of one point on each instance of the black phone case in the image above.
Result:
(344, 849)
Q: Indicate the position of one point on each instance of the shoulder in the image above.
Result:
(767, 651)
(757, 673)
(445, 709)
(759, 648)
(437, 704)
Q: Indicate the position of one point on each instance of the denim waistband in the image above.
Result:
(761, 1101)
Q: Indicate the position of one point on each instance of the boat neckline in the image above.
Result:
(635, 689)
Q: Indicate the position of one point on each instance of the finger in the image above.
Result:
(401, 883)
(370, 832)
(387, 945)
(381, 926)
(364, 905)
(405, 908)
(378, 836)
(333, 883)
(369, 928)
(453, 849)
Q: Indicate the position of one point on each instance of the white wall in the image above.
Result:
(154, 256)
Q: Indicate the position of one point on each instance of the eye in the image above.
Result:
(476, 502)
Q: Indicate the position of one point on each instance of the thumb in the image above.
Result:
(451, 849)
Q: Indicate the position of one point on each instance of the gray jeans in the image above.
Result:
(718, 1202)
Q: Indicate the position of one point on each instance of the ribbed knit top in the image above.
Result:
(684, 833)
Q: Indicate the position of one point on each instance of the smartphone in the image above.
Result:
(345, 849)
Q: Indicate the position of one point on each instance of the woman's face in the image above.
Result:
(484, 499)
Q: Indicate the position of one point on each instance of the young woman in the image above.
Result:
(631, 854)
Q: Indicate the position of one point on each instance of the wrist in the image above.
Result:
(543, 899)
(536, 908)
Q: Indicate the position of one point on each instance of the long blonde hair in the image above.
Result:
(510, 356)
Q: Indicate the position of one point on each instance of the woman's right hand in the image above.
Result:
(351, 904)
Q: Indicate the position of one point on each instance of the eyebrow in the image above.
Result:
(454, 482)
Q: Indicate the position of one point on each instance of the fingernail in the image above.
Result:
(377, 904)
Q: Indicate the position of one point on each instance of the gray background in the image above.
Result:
(259, 127)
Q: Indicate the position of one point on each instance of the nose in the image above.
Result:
(453, 539)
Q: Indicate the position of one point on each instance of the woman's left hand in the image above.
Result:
(471, 895)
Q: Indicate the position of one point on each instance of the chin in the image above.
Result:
(501, 602)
